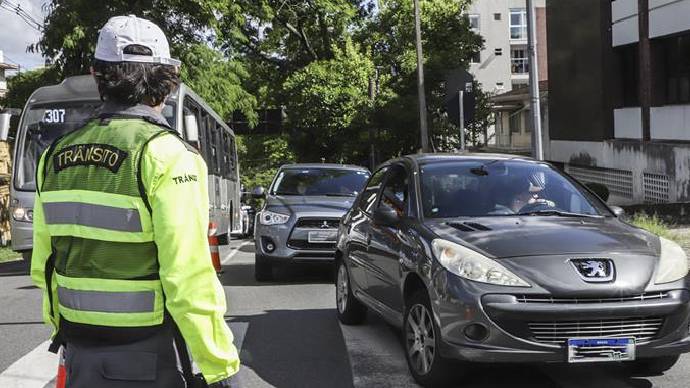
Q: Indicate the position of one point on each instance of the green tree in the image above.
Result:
(22, 85)
(328, 103)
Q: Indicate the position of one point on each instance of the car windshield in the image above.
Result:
(44, 123)
(501, 188)
(319, 181)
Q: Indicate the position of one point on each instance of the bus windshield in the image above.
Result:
(43, 123)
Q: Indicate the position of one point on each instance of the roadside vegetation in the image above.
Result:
(6, 254)
(653, 224)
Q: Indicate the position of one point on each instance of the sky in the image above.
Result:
(16, 35)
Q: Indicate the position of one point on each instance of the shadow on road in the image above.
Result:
(14, 268)
(296, 348)
(298, 273)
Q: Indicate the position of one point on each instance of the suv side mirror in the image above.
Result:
(386, 216)
(259, 192)
(617, 211)
(191, 128)
(600, 190)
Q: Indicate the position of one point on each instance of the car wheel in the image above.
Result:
(263, 269)
(421, 340)
(653, 366)
(350, 310)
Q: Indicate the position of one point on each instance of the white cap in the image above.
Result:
(122, 31)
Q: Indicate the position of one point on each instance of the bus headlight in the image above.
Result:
(22, 214)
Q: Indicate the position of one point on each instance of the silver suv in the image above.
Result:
(299, 221)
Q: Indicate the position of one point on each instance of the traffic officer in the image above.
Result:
(120, 242)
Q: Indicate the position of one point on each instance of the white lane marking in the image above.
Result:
(234, 251)
(36, 369)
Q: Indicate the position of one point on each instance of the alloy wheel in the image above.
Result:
(420, 339)
(342, 290)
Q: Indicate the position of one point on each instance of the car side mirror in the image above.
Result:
(191, 127)
(386, 216)
(600, 190)
(259, 192)
(617, 211)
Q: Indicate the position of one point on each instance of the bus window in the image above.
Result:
(225, 153)
(41, 125)
(233, 158)
(212, 144)
(191, 107)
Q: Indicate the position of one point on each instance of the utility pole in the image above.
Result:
(537, 149)
(645, 69)
(423, 130)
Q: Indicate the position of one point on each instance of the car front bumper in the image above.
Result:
(510, 336)
(286, 249)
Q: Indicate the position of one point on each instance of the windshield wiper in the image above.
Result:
(560, 213)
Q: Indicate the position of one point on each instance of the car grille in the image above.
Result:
(552, 300)
(303, 244)
(317, 223)
(643, 329)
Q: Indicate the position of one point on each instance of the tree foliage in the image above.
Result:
(22, 85)
(328, 102)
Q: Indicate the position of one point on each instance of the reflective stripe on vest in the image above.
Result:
(110, 302)
(107, 302)
(97, 216)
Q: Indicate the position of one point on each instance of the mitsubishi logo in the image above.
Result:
(325, 225)
(594, 270)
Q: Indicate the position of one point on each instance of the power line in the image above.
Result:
(25, 16)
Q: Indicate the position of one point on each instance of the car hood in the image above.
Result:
(504, 237)
(307, 204)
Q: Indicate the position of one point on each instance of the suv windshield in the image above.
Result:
(44, 123)
(501, 188)
(319, 181)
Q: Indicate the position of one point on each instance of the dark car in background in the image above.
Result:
(493, 258)
(302, 209)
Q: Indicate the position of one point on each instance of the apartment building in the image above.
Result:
(617, 116)
(4, 67)
(503, 65)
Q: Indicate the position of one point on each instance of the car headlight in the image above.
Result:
(272, 218)
(472, 265)
(673, 263)
(22, 214)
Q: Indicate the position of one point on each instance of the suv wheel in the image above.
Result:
(263, 269)
(421, 340)
(350, 310)
(653, 366)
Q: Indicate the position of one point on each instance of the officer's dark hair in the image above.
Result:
(134, 83)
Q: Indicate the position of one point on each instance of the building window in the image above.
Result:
(677, 53)
(474, 22)
(514, 122)
(518, 23)
(628, 59)
(498, 51)
(476, 57)
(519, 62)
(497, 16)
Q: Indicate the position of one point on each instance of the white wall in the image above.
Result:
(670, 122)
(627, 123)
(666, 17)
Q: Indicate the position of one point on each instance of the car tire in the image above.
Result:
(653, 366)
(424, 361)
(350, 310)
(263, 269)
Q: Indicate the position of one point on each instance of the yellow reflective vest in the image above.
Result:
(114, 187)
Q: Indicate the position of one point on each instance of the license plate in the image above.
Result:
(601, 349)
(322, 236)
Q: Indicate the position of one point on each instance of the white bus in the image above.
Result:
(52, 111)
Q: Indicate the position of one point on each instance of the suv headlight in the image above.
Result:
(673, 263)
(273, 218)
(472, 265)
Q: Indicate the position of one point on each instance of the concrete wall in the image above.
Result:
(666, 17)
(627, 123)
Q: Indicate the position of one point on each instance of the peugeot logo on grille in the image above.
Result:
(594, 270)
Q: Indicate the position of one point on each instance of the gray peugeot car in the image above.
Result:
(299, 220)
(493, 258)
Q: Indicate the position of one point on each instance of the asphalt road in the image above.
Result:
(288, 336)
